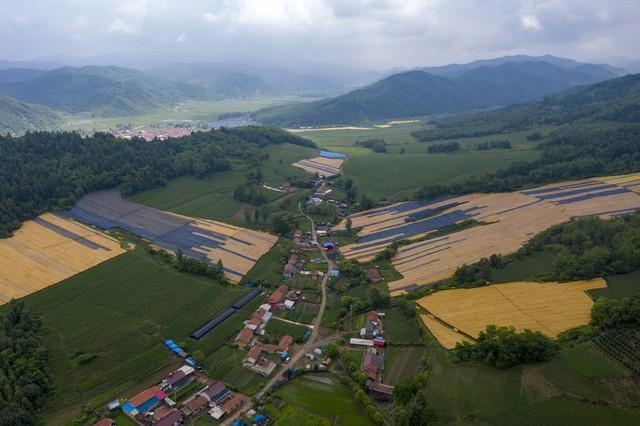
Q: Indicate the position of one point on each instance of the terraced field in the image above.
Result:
(509, 220)
(49, 249)
(550, 308)
(203, 239)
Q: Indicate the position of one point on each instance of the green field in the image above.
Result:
(393, 175)
(327, 399)
(401, 330)
(117, 315)
(568, 390)
(525, 269)
(212, 197)
(277, 329)
(402, 363)
(619, 286)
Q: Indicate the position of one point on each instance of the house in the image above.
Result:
(253, 356)
(284, 343)
(143, 402)
(234, 403)
(380, 391)
(289, 271)
(374, 275)
(177, 379)
(373, 317)
(244, 338)
(369, 331)
(372, 364)
(288, 304)
(196, 406)
(259, 313)
(277, 296)
(216, 412)
(172, 418)
(216, 392)
(105, 422)
(270, 349)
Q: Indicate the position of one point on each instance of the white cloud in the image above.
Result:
(181, 38)
(530, 22)
(78, 26)
(120, 26)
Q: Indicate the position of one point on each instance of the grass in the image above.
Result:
(399, 329)
(226, 364)
(619, 286)
(119, 312)
(277, 329)
(269, 267)
(468, 393)
(212, 196)
(525, 269)
(402, 363)
(393, 175)
(292, 415)
(331, 399)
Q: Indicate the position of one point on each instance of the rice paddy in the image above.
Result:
(509, 221)
(326, 167)
(203, 239)
(49, 249)
(551, 308)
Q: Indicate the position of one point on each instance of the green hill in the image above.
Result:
(419, 93)
(105, 91)
(18, 117)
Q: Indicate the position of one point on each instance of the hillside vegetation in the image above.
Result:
(419, 93)
(42, 171)
(600, 128)
(18, 117)
(105, 91)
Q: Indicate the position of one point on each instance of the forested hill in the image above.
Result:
(598, 136)
(106, 91)
(419, 93)
(43, 171)
(615, 100)
(18, 117)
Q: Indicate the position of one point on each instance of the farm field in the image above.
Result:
(402, 363)
(105, 326)
(323, 395)
(209, 241)
(509, 221)
(559, 392)
(550, 308)
(325, 167)
(49, 249)
(394, 175)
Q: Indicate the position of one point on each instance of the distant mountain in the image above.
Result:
(239, 80)
(18, 117)
(419, 93)
(14, 75)
(106, 91)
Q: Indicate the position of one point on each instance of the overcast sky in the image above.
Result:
(365, 33)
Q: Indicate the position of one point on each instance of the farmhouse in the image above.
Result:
(234, 403)
(373, 327)
(253, 356)
(244, 338)
(372, 364)
(171, 418)
(216, 393)
(284, 343)
(277, 297)
(374, 275)
(143, 402)
(105, 422)
(177, 379)
(196, 406)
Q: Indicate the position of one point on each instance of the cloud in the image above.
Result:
(119, 26)
(368, 33)
(530, 22)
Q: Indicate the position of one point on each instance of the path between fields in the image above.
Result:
(311, 343)
(311, 326)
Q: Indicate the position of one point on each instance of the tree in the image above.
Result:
(348, 225)
(332, 350)
(348, 184)
(376, 299)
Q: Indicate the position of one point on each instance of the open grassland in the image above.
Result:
(407, 166)
(105, 326)
(509, 221)
(579, 386)
(324, 396)
(550, 308)
(49, 249)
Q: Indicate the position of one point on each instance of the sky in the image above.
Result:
(375, 34)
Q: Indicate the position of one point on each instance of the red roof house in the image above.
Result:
(284, 343)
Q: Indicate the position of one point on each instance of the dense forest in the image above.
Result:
(43, 171)
(25, 382)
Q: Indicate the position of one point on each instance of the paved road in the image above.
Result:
(313, 339)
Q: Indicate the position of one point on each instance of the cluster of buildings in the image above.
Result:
(156, 407)
(372, 334)
(257, 358)
(151, 133)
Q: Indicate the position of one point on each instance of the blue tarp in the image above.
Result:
(331, 154)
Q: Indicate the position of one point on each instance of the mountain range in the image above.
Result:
(444, 90)
(18, 117)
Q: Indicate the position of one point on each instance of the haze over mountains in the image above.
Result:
(109, 91)
(447, 89)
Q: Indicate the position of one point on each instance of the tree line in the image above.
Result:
(25, 380)
(43, 171)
